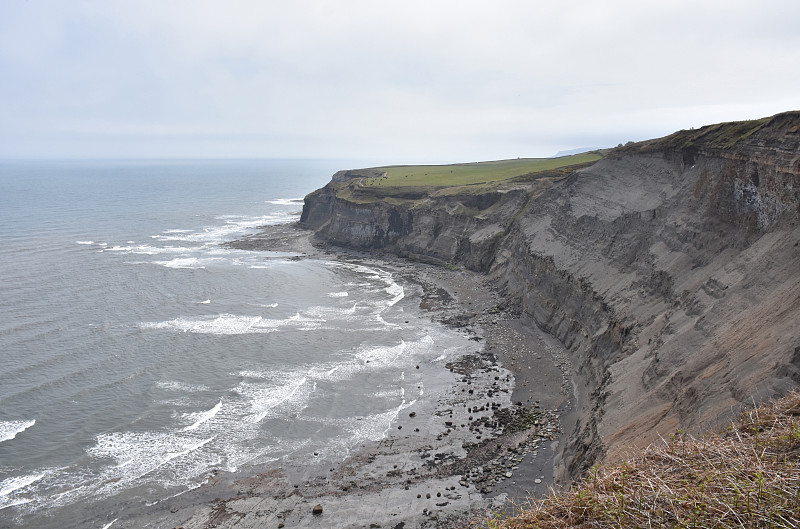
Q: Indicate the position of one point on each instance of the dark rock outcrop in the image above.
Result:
(670, 270)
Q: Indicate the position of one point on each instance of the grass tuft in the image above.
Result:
(747, 476)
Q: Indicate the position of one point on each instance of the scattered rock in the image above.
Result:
(317, 510)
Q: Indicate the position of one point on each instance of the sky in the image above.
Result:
(434, 81)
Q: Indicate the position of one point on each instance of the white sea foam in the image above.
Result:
(109, 524)
(230, 227)
(324, 314)
(383, 356)
(263, 305)
(338, 294)
(256, 374)
(232, 324)
(12, 490)
(372, 428)
(182, 262)
(202, 417)
(11, 485)
(395, 291)
(10, 429)
(137, 454)
(85, 242)
(206, 302)
(129, 459)
(338, 371)
(272, 400)
(117, 249)
(390, 286)
(6, 503)
(173, 385)
(146, 249)
(223, 324)
(379, 319)
(285, 201)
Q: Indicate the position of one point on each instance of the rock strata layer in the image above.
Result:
(669, 270)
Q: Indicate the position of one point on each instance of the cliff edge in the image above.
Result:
(669, 269)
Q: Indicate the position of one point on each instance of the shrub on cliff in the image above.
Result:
(747, 476)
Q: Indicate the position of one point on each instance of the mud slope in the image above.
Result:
(670, 270)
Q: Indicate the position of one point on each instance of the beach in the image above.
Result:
(487, 446)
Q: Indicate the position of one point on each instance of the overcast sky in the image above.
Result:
(395, 81)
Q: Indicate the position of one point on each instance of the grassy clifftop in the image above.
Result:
(746, 476)
(474, 173)
(409, 183)
(779, 129)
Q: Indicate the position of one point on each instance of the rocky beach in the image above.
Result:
(489, 446)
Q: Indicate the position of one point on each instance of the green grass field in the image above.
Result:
(471, 173)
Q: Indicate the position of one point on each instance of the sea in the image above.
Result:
(140, 354)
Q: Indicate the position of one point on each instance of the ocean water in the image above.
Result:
(139, 354)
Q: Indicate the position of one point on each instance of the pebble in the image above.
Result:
(508, 459)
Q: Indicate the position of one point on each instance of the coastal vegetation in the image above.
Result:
(404, 184)
(722, 136)
(473, 173)
(745, 476)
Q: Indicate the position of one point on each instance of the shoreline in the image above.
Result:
(488, 446)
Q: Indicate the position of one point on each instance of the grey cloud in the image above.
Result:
(442, 81)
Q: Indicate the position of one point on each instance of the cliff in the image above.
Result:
(670, 270)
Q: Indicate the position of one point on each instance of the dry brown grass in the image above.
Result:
(747, 476)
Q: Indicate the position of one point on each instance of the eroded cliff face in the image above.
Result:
(449, 229)
(670, 270)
